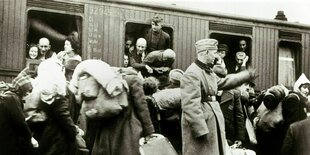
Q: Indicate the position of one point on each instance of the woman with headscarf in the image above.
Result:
(15, 134)
(296, 102)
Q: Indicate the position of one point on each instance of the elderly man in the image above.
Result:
(45, 49)
(240, 64)
(203, 130)
(137, 56)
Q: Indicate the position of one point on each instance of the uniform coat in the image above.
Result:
(198, 117)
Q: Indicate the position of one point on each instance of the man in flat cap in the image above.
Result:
(203, 130)
(241, 62)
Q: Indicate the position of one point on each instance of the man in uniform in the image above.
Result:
(203, 130)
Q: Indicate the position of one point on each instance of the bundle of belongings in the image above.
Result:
(102, 92)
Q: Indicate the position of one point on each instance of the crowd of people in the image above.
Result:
(70, 106)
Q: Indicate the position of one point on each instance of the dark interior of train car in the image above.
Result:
(232, 42)
(138, 30)
(54, 26)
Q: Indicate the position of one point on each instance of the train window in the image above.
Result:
(233, 42)
(288, 67)
(54, 26)
(137, 30)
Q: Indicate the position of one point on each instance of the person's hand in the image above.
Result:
(91, 113)
(149, 69)
(202, 137)
(34, 143)
(159, 70)
(238, 143)
(150, 137)
(246, 59)
(80, 131)
(255, 122)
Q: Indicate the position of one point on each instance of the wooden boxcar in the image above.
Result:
(279, 50)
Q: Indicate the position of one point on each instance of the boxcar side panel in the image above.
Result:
(264, 56)
(12, 34)
(305, 67)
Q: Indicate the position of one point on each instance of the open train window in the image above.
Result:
(54, 26)
(137, 30)
(288, 67)
(232, 42)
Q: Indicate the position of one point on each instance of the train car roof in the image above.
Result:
(161, 6)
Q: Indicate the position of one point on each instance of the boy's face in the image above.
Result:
(128, 44)
(156, 26)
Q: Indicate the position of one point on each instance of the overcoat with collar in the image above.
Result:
(199, 117)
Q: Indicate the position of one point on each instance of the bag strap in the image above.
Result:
(245, 111)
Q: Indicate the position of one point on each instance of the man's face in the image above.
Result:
(239, 61)
(242, 45)
(140, 47)
(156, 26)
(210, 56)
(44, 46)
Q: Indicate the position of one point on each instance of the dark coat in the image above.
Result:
(200, 118)
(157, 40)
(231, 66)
(15, 134)
(120, 135)
(293, 109)
(136, 62)
(233, 114)
(297, 140)
(56, 135)
(74, 107)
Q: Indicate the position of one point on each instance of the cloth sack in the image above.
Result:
(81, 145)
(101, 104)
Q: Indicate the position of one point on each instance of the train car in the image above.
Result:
(279, 50)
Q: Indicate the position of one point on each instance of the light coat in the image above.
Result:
(199, 117)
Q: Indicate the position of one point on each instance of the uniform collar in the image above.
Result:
(206, 67)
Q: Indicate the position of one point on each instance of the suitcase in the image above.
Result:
(242, 152)
(159, 145)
